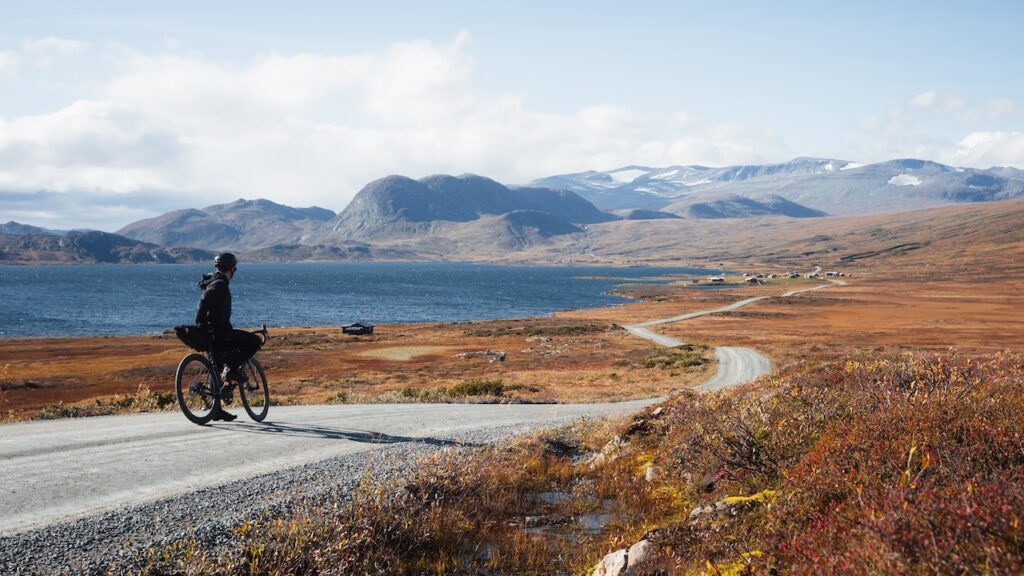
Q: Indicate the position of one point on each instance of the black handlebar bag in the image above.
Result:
(194, 337)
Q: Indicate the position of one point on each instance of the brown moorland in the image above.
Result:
(546, 360)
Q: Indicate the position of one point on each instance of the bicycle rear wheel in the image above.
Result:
(254, 392)
(195, 385)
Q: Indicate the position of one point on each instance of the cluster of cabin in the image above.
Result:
(761, 278)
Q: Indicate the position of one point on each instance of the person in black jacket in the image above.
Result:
(231, 347)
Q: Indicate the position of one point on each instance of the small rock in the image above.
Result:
(613, 445)
(696, 513)
(701, 511)
(609, 453)
(653, 474)
(641, 557)
(658, 412)
(613, 564)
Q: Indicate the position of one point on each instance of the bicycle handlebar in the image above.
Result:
(262, 333)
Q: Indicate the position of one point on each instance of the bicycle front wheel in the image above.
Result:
(254, 392)
(195, 385)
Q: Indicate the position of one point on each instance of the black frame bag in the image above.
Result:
(193, 336)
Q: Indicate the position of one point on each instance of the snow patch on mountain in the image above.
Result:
(851, 166)
(905, 180)
(627, 175)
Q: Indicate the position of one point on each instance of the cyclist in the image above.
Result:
(231, 347)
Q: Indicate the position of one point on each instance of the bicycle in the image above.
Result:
(200, 390)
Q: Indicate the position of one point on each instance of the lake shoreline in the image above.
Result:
(126, 300)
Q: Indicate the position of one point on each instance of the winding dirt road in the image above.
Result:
(735, 365)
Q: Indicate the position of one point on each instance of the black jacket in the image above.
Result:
(214, 313)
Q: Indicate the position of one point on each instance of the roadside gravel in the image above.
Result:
(89, 545)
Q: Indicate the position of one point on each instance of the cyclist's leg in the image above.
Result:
(240, 346)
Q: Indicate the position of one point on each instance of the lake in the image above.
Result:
(90, 300)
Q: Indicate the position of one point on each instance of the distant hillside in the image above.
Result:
(947, 240)
(510, 232)
(90, 248)
(641, 214)
(397, 206)
(15, 229)
(241, 225)
(347, 252)
(721, 205)
(832, 186)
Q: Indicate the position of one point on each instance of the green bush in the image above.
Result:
(478, 387)
(675, 360)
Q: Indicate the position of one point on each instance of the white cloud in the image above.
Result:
(924, 100)
(314, 128)
(8, 62)
(932, 125)
(957, 106)
(54, 45)
(990, 149)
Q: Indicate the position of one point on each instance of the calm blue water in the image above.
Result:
(77, 300)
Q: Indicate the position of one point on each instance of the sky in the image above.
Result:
(115, 111)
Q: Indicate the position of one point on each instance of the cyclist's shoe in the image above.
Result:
(224, 416)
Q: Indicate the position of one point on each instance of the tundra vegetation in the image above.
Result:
(900, 464)
(533, 360)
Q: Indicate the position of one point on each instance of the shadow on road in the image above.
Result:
(329, 433)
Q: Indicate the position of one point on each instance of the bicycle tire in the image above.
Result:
(195, 383)
(254, 391)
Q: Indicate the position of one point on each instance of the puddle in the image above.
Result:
(589, 523)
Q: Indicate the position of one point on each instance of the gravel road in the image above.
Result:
(80, 491)
(735, 365)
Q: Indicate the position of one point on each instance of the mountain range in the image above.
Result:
(241, 225)
(835, 187)
(474, 217)
(396, 207)
(15, 229)
(91, 247)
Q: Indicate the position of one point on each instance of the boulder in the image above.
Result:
(613, 564)
(640, 557)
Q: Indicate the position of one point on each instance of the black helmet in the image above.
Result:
(225, 261)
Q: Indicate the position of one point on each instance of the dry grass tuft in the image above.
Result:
(143, 400)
